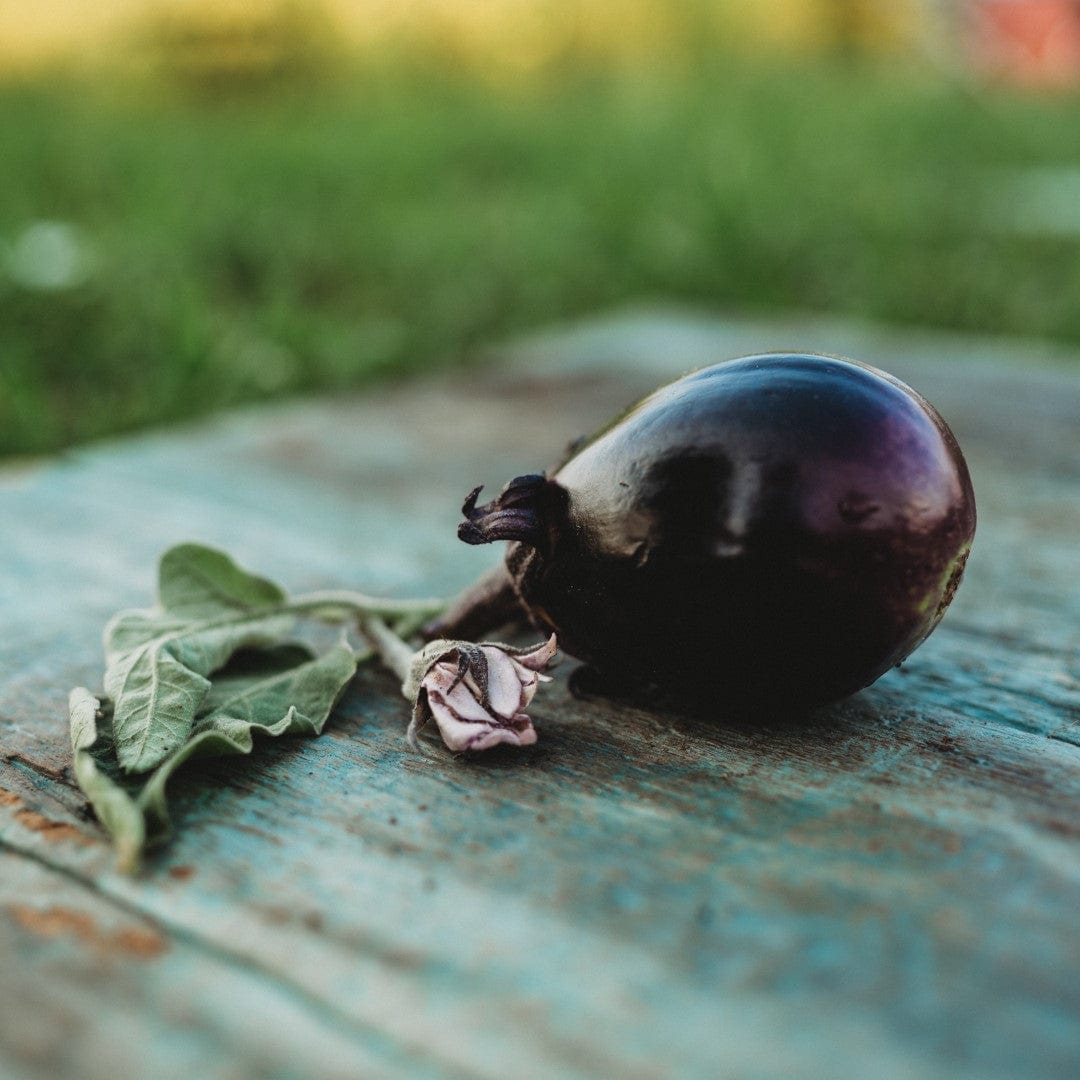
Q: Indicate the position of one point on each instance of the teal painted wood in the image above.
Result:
(890, 890)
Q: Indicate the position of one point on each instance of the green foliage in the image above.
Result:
(116, 809)
(157, 661)
(213, 665)
(282, 692)
(287, 242)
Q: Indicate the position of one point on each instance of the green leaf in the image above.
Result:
(200, 675)
(116, 810)
(242, 704)
(196, 581)
(158, 660)
(281, 691)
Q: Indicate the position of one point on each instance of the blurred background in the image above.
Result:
(210, 202)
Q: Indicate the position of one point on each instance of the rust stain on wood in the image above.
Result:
(62, 922)
(135, 941)
(53, 831)
(9, 798)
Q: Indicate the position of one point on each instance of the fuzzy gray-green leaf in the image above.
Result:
(194, 580)
(158, 661)
(242, 705)
(115, 808)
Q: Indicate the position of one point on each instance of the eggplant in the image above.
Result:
(772, 532)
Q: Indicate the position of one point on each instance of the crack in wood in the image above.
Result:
(58, 774)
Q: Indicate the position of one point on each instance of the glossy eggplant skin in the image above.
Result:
(775, 531)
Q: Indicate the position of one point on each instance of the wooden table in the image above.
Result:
(892, 890)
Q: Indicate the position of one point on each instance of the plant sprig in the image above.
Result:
(215, 663)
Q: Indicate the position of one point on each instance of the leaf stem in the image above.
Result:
(362, 605)
(393, 652)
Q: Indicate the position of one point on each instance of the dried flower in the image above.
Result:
(476, 694)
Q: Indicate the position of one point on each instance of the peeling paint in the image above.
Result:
(61, 922)
(53, 831)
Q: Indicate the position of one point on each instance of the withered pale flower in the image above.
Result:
(477, 694)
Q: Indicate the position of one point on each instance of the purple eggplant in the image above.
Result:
(771, 532)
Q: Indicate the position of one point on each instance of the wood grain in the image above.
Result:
(889, 889)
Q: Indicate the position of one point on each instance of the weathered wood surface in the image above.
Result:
(892, 890)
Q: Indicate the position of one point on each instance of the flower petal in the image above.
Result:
(462, 705)
(461, 734)
(538, 658)
(504, 685)
(497, 735)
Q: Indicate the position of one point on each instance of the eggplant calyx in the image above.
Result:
(516, 513)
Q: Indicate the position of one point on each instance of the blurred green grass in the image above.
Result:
(311, 237)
